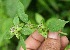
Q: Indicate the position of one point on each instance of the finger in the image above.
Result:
(52, 42)
(34, 41)
(64, 42)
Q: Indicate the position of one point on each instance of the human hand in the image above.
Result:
(54, 42)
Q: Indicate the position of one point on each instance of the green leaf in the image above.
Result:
(16, 7)
(11, 8)
(55, 24)
(16, 20)
(6, 29)
(18, 47)
(38, 18)
(22, 43)
(26, 3)
(54, 4)
(45, 6)
(27, 31)
(21, 13)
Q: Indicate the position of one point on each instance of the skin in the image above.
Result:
(37, 42)
(52, 42)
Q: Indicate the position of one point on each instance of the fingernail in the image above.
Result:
(53, 35)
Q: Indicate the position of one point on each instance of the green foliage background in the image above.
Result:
(45, 8)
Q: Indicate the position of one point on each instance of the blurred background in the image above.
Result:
(44, 8)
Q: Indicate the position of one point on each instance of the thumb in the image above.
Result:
(52, 42)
